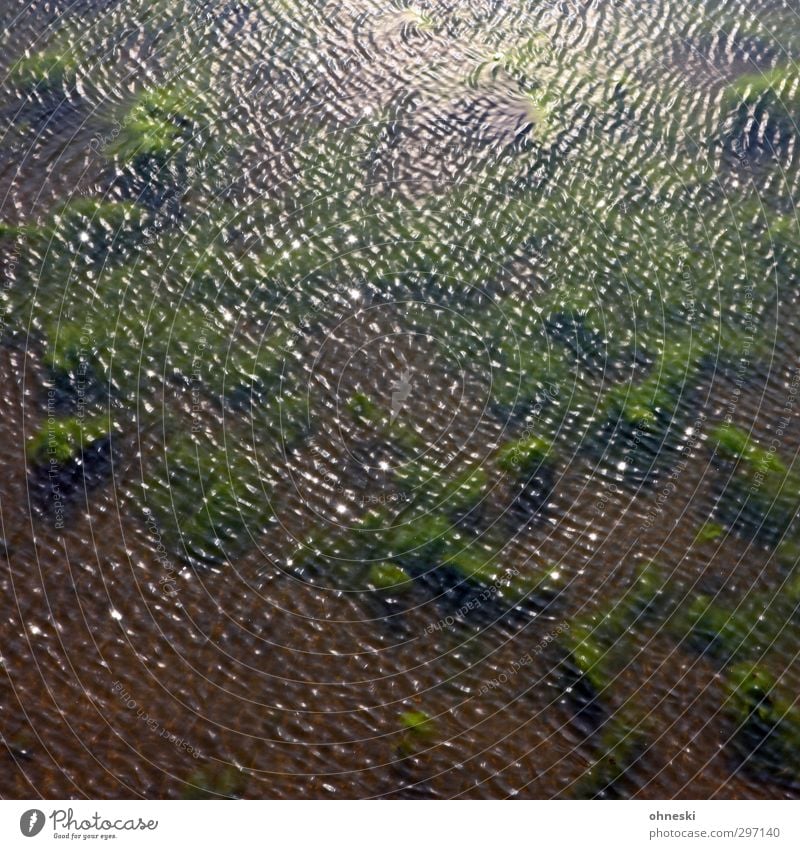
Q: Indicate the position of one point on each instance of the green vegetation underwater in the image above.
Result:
(400, 400)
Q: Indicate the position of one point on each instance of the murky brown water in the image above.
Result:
(501, 294)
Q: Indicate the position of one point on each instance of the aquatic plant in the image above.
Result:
(658, 397)
(215, 783)
(599, 651)
(419, 731)
(67, 457)
(587, 346)
(709, 532)
(787, 554)
(596, 642)
(51, 68)
(715, 629)
(759, 623)
(737, 444)
(62, 439)
(364, 409)
(521, 58)
(525, 455)
(459, 494)
(590, 653)
(388, 576)
(75, 268)
(423, 21)
(429, 548)
(465, 498)
(209, 501)
(555, 227)
(529, 463)
(765, 106)
(758, 494)
(766, 737)
(418, 722)
(617, 747)
(419, 541)
(86, 234)
(159, 124)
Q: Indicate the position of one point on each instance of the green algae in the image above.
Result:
(737, 444)
(466, 491)
(420, 540)
(761, 623)
(388, 577)
(61, 439)
(715, 629)
(658, 396)
(54, 67)
(525, 455)
(709, 532)
(215, 783)
(762, 493)
(763, 109)
(778, 87)
(787, 554)
(75, 267)
(90, 232)
(159, 124)
(487, 568)
(431, 485)
(590, 650)
(418, 723)
(633, 257)
(574, 246)
(600, 649)
(419, 731)
(422, 20)
(601, 646)
(363, 409)
(209, 502)
(133, 318)
(596, 642)
(423, 545)
(620, 744)
(766, 735)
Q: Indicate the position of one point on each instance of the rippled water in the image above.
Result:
(399, 400)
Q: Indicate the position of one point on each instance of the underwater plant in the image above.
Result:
(757, 495)
(419, 731)
(758, 624)
(616, 747)
(209, 502)
(388, 576)
(52, 68)
(159, 124)
(764, 108)
(709, 532)
(529, 464)
(224, 782)
(66, 457)
(62, 439)
(766, 734)
(595, 643)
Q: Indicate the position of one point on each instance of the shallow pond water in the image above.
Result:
(399, 400)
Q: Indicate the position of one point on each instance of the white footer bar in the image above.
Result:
(402, 825)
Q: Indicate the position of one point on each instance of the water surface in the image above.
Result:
(399, 400)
